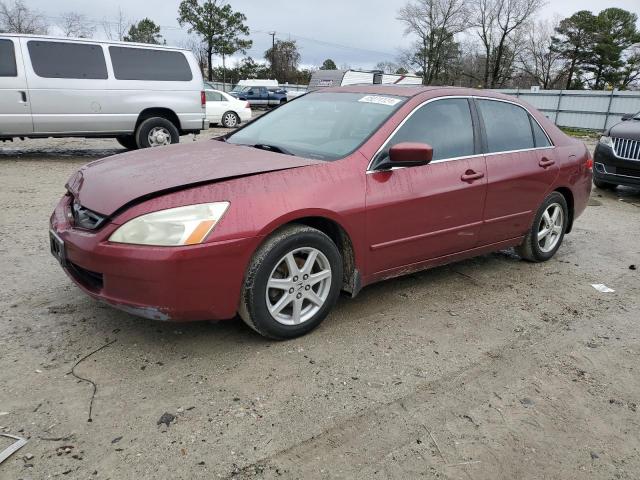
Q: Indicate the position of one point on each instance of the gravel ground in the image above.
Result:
(491, 368)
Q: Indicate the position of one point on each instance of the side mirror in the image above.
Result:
(627, 116)
(408, 155)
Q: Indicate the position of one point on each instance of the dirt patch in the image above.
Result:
(488, 368)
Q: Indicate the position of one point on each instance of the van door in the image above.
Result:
(68, 82)
(15, 109)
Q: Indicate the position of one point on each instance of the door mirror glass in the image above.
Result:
(409, 154)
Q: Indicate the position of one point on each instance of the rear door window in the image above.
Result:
(507, 126)
(7, 59)
(67, 60)
(540, 138)
(149, 64)
(446, 125)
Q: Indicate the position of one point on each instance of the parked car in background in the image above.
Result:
(339, 189)
(617, 155)
(142, 95)
(255, 82)
(262, 96)
(342, 78)
(226, 110)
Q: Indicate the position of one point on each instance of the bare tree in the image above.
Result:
(388, 67)
(435, 24)
(538, 58)
(631, 70)
(496, 23)
(18, 18)
(75, 24)
(199, 49)
(117, 28)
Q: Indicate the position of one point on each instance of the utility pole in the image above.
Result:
(273, 54)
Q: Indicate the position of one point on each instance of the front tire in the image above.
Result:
(547, 232)
(156, 132)
(293, 281)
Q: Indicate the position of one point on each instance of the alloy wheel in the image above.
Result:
(551, 227)
(298, 286)
(230, 120)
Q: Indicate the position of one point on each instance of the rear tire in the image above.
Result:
(604, 185)
(156, 132)
(128, 142)
(230, 119)
(547, 232)
(293, 281)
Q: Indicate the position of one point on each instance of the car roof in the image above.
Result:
(92, 40)
(414, 90)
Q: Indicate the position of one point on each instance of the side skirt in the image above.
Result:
(438, 261)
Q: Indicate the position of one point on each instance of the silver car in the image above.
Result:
(142, 95)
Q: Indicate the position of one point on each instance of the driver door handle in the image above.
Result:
(470, 176)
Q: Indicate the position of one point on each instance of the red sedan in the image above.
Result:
(331, 192)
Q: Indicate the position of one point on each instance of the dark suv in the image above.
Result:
(617, 155)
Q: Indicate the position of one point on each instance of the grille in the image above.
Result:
(627, 148)
(629, 172)
(91, 280)
(85, 218)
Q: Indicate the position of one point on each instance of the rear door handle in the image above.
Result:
(23, 97)
(470, 176)
(545, 162)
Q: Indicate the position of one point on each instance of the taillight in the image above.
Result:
(589, 162)
(247, 105)
(203, 99)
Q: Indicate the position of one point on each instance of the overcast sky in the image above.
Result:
(359, 33)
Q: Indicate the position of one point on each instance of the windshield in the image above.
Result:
(325, 126)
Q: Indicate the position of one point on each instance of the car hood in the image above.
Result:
(107, 185)
(629, 129)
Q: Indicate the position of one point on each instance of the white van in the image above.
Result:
(142, 95)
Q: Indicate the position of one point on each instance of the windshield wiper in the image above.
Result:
(272, 148)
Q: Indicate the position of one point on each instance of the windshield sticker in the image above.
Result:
(389, 101)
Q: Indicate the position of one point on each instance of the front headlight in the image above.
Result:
(606, 141)
(188, 225)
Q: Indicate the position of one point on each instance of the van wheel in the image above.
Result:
(292, 283)
(128, 142)
(230, 120)
(156, 132)
(547, 232)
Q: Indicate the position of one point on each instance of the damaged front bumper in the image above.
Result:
(198, 282)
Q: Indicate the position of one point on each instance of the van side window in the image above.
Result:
(7, 59)
(540, 138)
(446, 125)
(507, 126)
(148, 64)
(67, 60)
